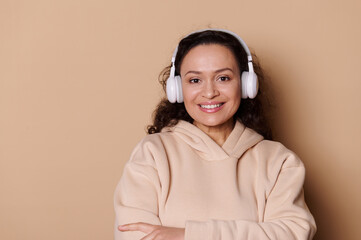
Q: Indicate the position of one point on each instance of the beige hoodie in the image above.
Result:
(248, 189)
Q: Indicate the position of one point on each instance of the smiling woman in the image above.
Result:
(205, 171)
(212, 89)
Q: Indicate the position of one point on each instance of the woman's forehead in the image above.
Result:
(208, 57)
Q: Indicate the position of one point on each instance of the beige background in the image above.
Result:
(78, 83)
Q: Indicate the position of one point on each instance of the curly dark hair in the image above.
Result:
(250, 111)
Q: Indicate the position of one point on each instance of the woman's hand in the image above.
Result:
(154, 232)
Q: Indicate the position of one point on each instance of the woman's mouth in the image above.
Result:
(211, 108)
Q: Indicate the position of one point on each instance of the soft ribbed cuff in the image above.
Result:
(196, 230)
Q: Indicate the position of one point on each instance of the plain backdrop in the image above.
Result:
(78, 85)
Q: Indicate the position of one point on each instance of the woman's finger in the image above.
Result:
(142, 227)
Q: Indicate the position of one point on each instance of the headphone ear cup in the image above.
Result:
(174, 89)
(249, 85)
(171, 89)
(179, 91)
(244, 79)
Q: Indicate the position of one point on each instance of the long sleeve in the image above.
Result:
(285, 217)
(136, 195)
(250, 189)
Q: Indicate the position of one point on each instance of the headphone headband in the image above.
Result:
(241, 41)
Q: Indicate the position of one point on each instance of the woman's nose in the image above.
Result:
(210, 90)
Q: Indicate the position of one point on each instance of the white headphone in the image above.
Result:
(249, 78)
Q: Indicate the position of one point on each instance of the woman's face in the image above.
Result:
(211, 85)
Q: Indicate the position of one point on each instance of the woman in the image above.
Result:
(205, 171)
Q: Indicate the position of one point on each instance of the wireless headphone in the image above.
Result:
(249, 78)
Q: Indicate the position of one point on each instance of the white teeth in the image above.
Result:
(211, 106)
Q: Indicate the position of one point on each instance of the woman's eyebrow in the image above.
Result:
(195, 72)
(217, 71)
(223, 69)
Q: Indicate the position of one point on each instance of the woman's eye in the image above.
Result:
(194, 80)
(224, 78)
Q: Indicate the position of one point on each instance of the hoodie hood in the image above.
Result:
(237, 143)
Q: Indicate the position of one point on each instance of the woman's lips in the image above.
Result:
(210, 107)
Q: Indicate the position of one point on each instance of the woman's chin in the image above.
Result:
(213, 123)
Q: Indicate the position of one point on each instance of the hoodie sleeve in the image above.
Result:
(136, 195)
(286, 216)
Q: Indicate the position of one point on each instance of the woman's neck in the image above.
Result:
(218, 133)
